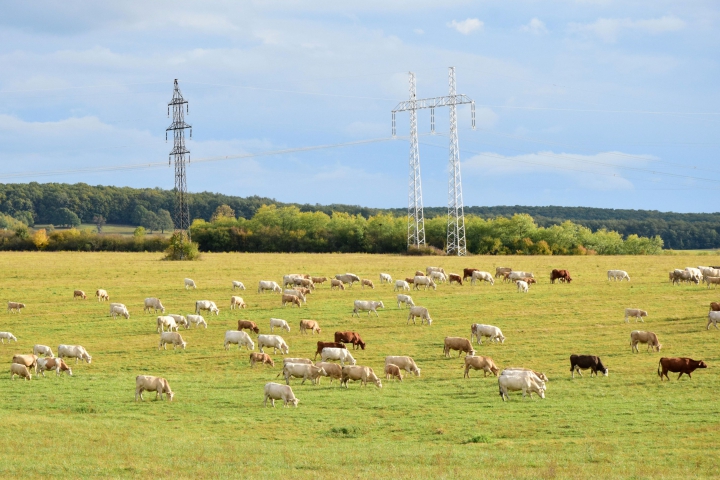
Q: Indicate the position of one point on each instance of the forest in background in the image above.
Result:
(71, 204)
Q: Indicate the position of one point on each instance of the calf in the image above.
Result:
(678, 364)
(321, 345)
(392, 371)
(291, 299)
(335, 283)
(583, 362)
(454, 277)
(263, 358)
(367, 282)
(19, 369)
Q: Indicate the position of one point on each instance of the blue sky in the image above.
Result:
(580, 103)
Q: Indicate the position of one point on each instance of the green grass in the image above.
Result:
(628, 425)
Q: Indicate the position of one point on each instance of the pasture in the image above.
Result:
(626, 425)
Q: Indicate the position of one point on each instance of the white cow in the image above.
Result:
(276, 391)
(268, 285)
(385, 278)
(635, 312)
(421, 312)
(522, 286)
(438, 276)
(404, 363)
(77, 352)
(483, 276)
(281, 324)
(274, 341)
(524, 383)
(304, 371)
(429, 270)
(42, 350)
(9, 336)
(424, 281)
(341, 354)
(171, 337)
(206, 305)
(401, 285)
(166, 321)
(119, 310)
(237, 302)
(238, 285)
(479, 330)
(713, 318)
(618, 275)
(289, 280)
(180, 320)
(367, 306)
(56, 364)
(406, 299)
(239, 338)
(153, 303)
(152, 384)
(196, 320)
(189, 283)
(296, 293)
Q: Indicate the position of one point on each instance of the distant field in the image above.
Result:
(628, 425)
(107, 229)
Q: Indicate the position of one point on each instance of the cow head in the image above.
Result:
(362, 344)
(215, 310)
(256, 330)
(294, 402)
(269, 361)
(471, 353)
(501, 338)
(87, 357)
(284, 348)
(416, 371)
(702, 364)
(183, 344)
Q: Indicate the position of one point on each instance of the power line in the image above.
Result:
(582, 110)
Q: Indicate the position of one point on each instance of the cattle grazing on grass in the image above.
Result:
(401, 285)
(385, 278)
(247, 324)
(196, 320)
(77, 352)
(404, 362)
(21, 370)
(171, 337)
(482, 276)
(239, 338)
(332, 370)
(279, 323)
(15, 307)
(367, 283)
(678, 365)
(454, 277)
(468, 272)
(319, 280)
(302, 370)
(190, 283)
(522, 286)
(424, 281)
(237, 302)
(636, 313)
(29, 361)
(478, 362)
(367, 306)
(341, 354)
(421, 312)
(322, 345)
(406, 299)
(583, 362)
(264, 285)
(276, 391)
(311, 325)
(79, 294)
(263, 358)
(153, 303)
(102, 295)
(520, 382)
(357, 372)
(350, 337)
(57, 364)
(291, 299)
(618, 275)
(43, 350)
(238, 285)
(713, 318)
(348, 278)
(392, 371)
(274, 341)
(152, 384)
(7, 336)
(458, 343)
(501, 271)
(166, 321)
(336, 284)
(479, 330)
(562, 275)
(639, 336)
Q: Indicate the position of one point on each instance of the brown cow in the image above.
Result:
(321, 345)
(528, 280)
(714, 307)
(392, 371)
(467, 272)
(562, 275)
(319, 280)
(350, 337)
(291, 299)
(311, 325)
(410, 280)
(418, 273)
(263, 358)
(679, 364)
(79, 294)
(458, 343)
(29, 361)
(454, 277)
(249, 325)
(480, 363)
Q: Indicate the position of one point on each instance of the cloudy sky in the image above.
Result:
(579, 103)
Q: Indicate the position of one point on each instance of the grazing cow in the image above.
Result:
(180, 320)
(714, 307)
(239, 338)
(321, 345)
(541, 377)
(677, 276)
(102, 295)
(514, 276)
(166, 321)
(335, 283)
(639, 336)
(528, 280)
(357, 372)
(484, 276)
(190, 283)
(297, 293)
(418, 273)
(458, 343)
(401, 285)
(478, 362)
(385, 278)
(171, 337)
(15, 307)
(522, 286)
(289, 280)
(319, 280)
(237, 302)
(116, 310)
(287, 360)
(279, 323)
(332, 370)
(406, 299)
(291, 299)
(152, 384)
(79, 294)
(238, 285)
(274, 341)
(403, 362)
(468, 272)
(712, 281)
(29, 361)
(562, 275)
(154, 304)
(20, 369)
(263, 358)
(367, 306)
(341, 354)
(410, 280)
(454, 277)
(479, 330)
(424, 281)
(583, 362)
(303, 291)
(43, 350)
(77, 352)
(421, 312)
(303, 282)
(526, 383)
(367, 282)
(276, 391)
(196, 320)
(350, 337)
(311, 325)
(268, 285)
(678, 364)
(392, 371)
(243, 324)
(429, 270)
(713, 318)
(618, 275)
(501, 271)
(348, 278)
(56, 364)
(302, 370)
(9, 336)
(635, 312)
(438, 277)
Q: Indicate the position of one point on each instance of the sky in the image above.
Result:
(603, 103)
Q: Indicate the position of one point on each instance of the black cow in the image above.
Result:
(583, 362)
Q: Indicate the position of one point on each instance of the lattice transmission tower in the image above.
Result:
(456, 244)
(180, 154)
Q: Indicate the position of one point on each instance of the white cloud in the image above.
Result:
(608, 29)
(466, 26)
(536, 27)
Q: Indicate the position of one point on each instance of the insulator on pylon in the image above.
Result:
(191, 133)
(187, 108)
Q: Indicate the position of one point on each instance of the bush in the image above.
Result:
(181, 248)
(423, 250)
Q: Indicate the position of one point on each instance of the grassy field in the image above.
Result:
(627, 425)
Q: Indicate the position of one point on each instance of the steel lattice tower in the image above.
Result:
(456, 244)
(179, 152)
(416, 220)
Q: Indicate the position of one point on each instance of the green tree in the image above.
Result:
(66, 217)
(139, 232)
(223, 212)
(165, 221)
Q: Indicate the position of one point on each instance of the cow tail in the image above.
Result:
(659, 372)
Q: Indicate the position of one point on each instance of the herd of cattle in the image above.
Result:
(295, 290)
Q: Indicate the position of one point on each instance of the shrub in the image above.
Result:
(181, 248)
(424, 250)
